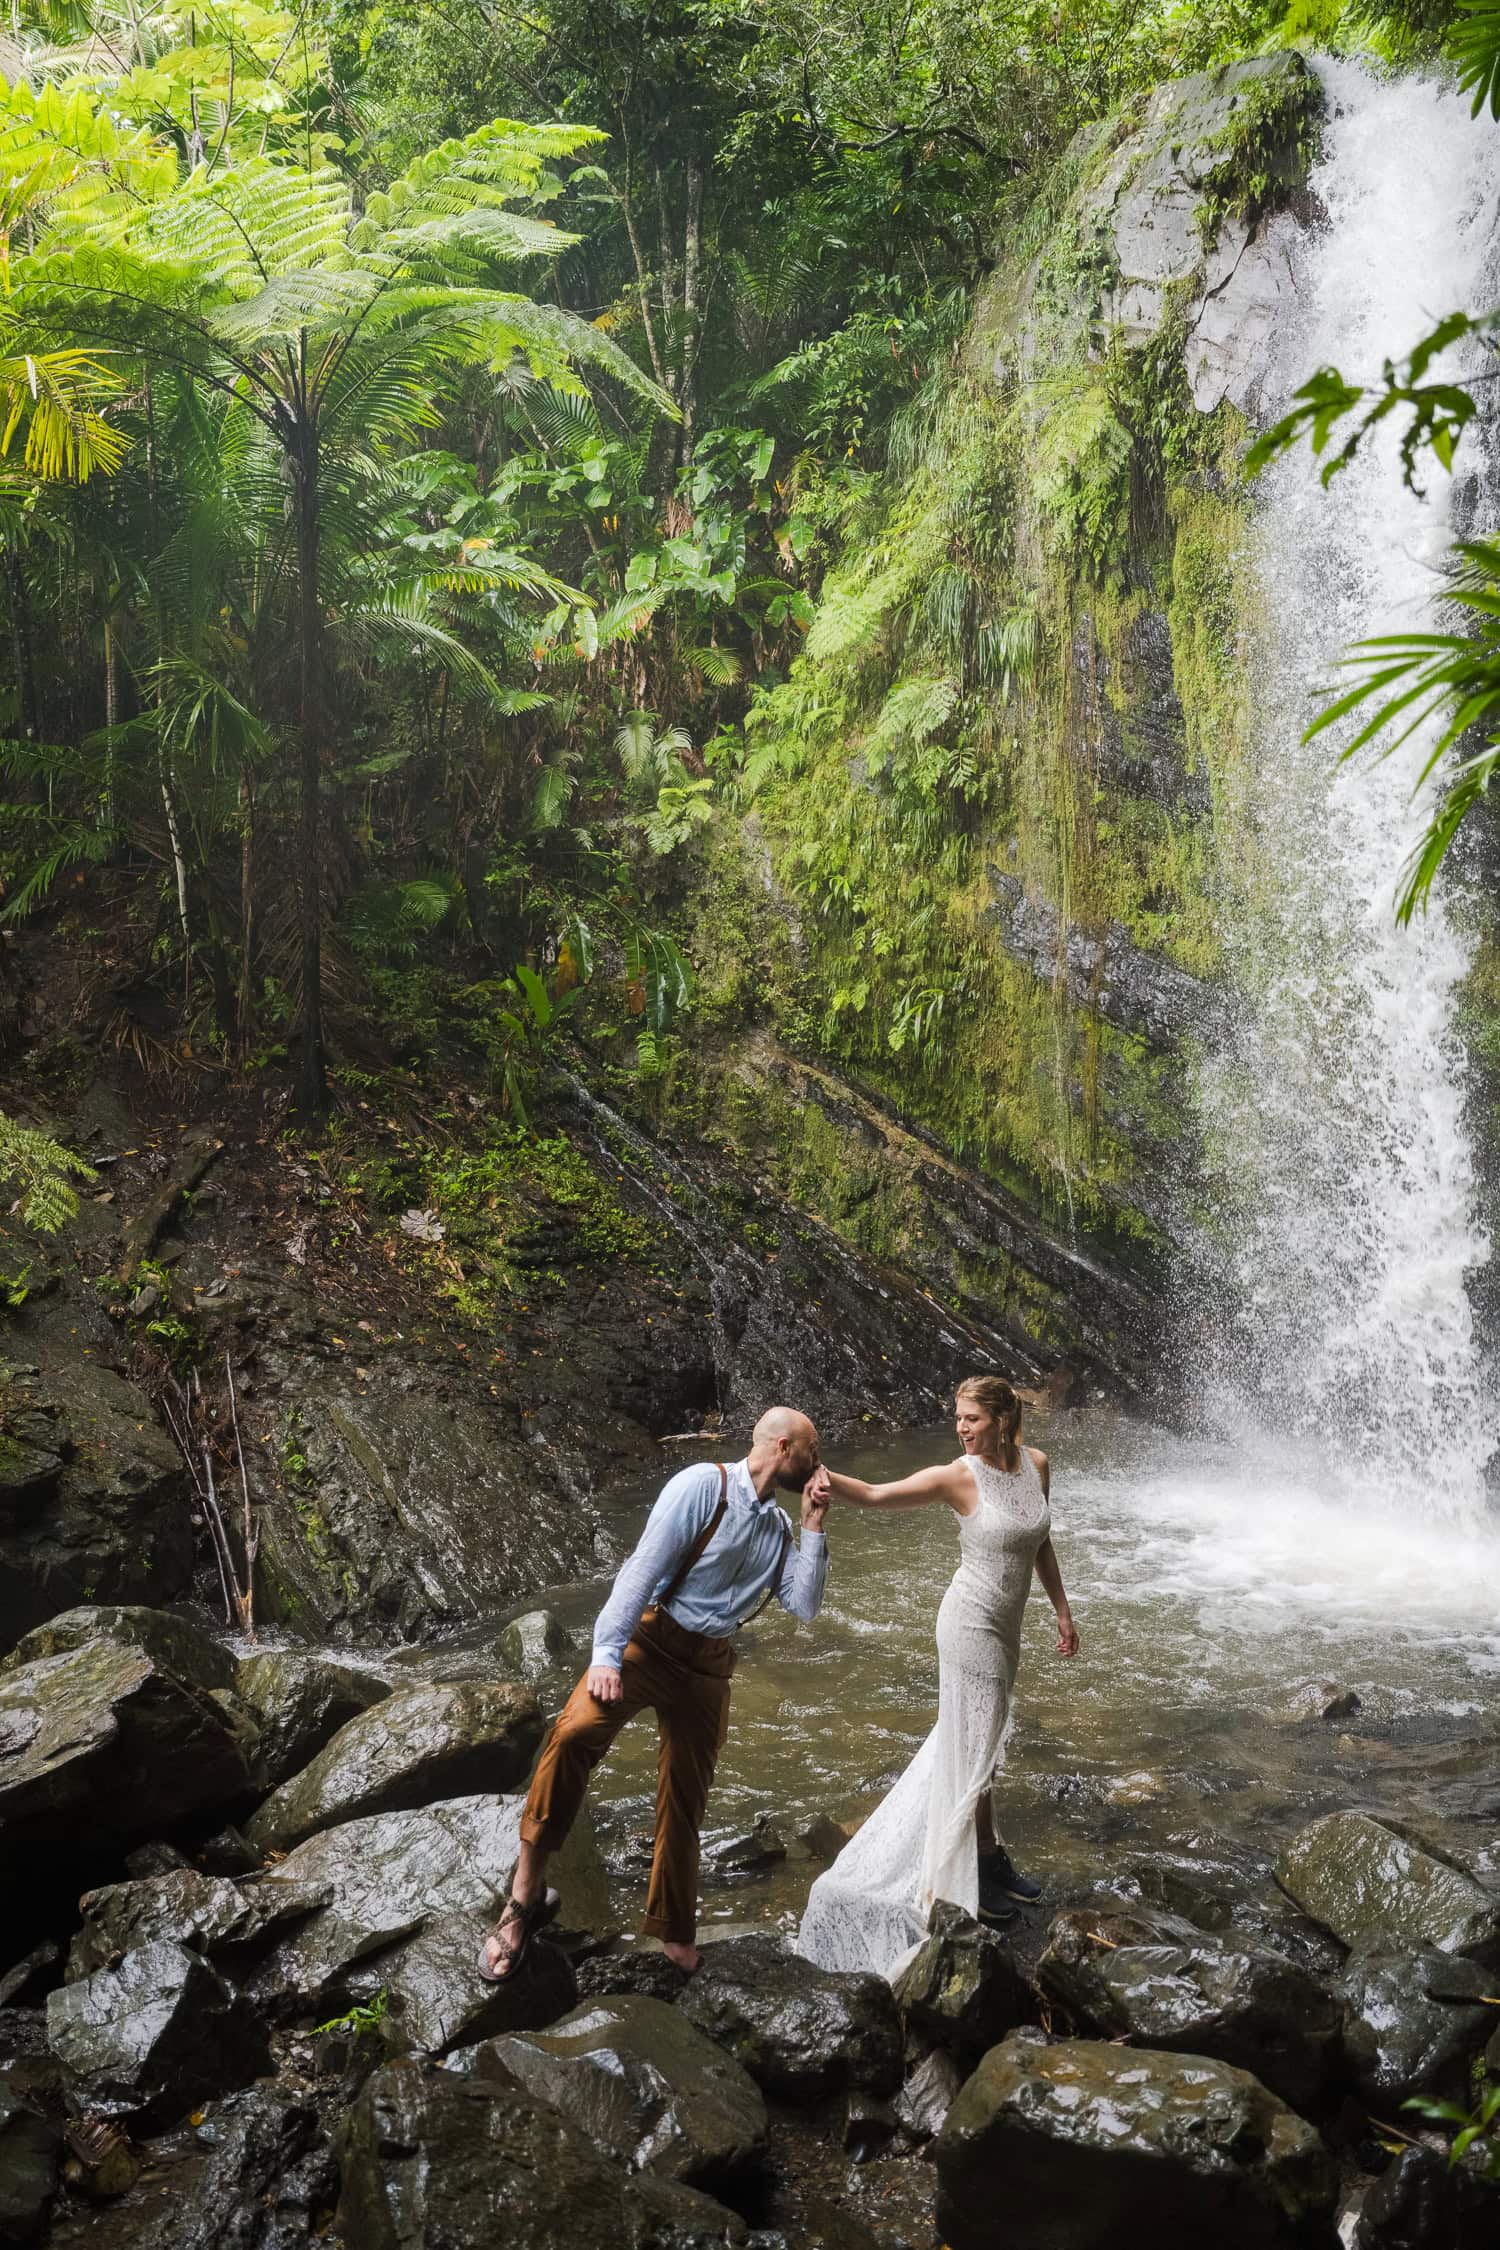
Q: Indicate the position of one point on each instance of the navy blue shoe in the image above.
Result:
(999, 1881)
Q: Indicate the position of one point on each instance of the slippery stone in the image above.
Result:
(641, 2083)
(173, 1642)
(183, 1907)
(533, 1645)
(153, 2035)
(1316, 1699)
(1422, 2203)
(437, 2001)
(962, 1990)
(419, 1745)
(1106, 2148)
(431, 2160)
(802, 2032)
(102, 1743)
(627, 1966)
(271, 2180)
(300, 1701)
(1159, 1982)
(29, 2148)
(1414, 2024)
(1375, 1889)
(927, 2093)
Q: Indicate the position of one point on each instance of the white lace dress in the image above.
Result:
(870, 1908)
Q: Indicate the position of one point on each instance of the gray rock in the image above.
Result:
(641, 2083)
(300, 1701)
(96, 1501)
(1414, 2024)
(437, 2001)
(1248, 289)
(1421, 2203)
(824, 1839)
(434, 2161)
(1376, 1889)
(928, 2092)
(962, 1990)
(1160, 1983)
(104, 1745)
(533, 1645)
(1106, 2148)
(1316, 1699)
(30, 2145)
(28, 1981)
(173, 1642)
(624, 1967)
(801, 2032)
(152, 2036)
(741, 1857)
(206, 1912)
(270, 2182)
(1101, 971)
(420, 1745)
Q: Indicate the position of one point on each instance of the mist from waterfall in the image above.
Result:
(1343, 1171)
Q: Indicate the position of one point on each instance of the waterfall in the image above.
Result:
(1335, 1120)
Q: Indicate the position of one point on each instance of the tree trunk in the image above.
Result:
(692, 272)
(312, 1080)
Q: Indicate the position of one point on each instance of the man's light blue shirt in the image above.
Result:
(750, 1552)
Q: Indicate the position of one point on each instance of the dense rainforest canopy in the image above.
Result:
(427, 427)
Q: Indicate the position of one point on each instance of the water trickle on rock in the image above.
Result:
(1335, 1115)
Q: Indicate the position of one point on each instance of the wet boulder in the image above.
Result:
(1414, 2024)
(1315, 1699)
(1375, 1889)
(94, 1497)
(30, 2146)
(1159, 1982)
(183, 1907)
(802, 2032)
(928, 2092)
(419, 1745)
(625, 1966)
(153, 2035)
(1106, 2148)
(431, 2160)
(175, 1643)
(438, 2001)
(962, 1989)
(103, 1745)
(270, 2181)
(534, 1645)
(1422, 2203)
(300, 1701)
(644, 2085)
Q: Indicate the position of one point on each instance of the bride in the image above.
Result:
(933, 1836)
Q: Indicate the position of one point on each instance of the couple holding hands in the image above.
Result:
(716, 1548)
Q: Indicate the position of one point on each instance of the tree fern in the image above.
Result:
(42, 1171)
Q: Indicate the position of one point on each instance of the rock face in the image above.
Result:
(93, 1496)
(1106, 2148)
(433, 2161)
(300, 1701)
(963, 1991)
(801, 2032)
(418, 1745)
(1158, 1982)
(1135, 991)
(100, 1746)
(1374, 1888)
(152, 2036)
(29, 2148)
(437, 2001)
(641, 2083)
(1414, 2024)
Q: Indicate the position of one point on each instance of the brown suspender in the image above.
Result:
(675, 1583)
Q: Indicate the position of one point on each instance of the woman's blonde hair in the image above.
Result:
(995, 1395)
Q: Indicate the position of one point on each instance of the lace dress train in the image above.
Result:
(870, 1908)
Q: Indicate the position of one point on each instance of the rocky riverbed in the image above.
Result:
(245, 1900)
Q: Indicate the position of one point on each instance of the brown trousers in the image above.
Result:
(684, 1677)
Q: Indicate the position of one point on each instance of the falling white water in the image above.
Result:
(1337, 1125)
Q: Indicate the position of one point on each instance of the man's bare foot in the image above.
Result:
(685, 1956)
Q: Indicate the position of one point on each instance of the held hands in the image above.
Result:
(1067, 1635)
(816, 1494)
(604, 1683)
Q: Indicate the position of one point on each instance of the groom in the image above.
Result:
(715, 1549)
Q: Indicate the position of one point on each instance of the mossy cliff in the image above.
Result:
(975, 867)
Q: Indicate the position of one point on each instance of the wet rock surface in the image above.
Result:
(1422, 2203)
(438, 2001)
(1159, 1982)
(642, 2083)
(184, 1907)
(533, 1644)
(174, 1642)
(1373, 1887)
(434, 2161)
(152, 2035)
(30, 2144)
(963, 1990)
(300, 1701)
(1414, 2024)
(1107, 2147)
(801, 2032)
(270, 2180)
(418, 1745)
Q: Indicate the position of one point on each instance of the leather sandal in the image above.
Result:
(519, 1923)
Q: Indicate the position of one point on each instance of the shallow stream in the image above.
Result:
(1206, 1589)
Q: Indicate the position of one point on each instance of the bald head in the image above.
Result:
(783, 1450)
